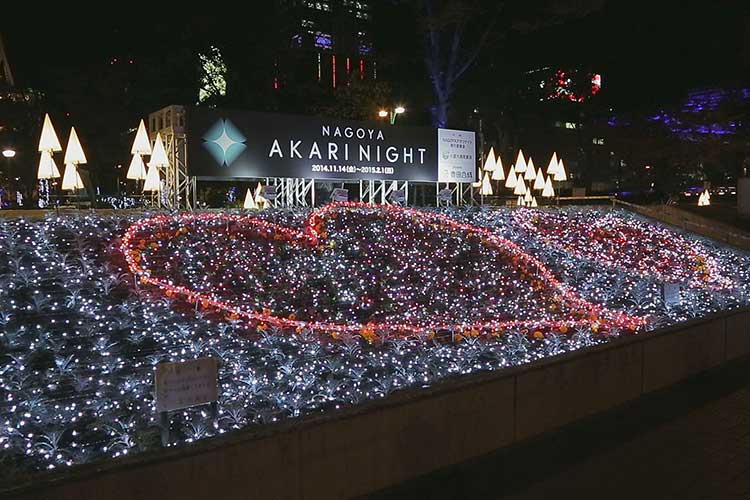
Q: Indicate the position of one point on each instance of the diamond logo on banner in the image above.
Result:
(225, 142)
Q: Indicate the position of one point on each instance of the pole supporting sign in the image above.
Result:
(230, 144)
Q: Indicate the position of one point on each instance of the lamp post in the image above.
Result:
(9, 153)
(391, 114)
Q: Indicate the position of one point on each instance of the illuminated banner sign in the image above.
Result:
(226, 144)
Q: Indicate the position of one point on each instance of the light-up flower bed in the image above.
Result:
(311, 311)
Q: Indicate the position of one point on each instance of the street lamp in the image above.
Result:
(384, 113)
(9, 153)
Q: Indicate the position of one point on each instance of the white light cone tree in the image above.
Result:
(74, 156)
(47, 167)
(490, 162)
(141, 144)
(48, 141)
(249, 201)
(548, 191)
(486, 189)
(520, 188)
(48, 145)
(520, 163)
(552, 167)
(534, 204)
(560, 174)
(530, 173)
(141, 147)
(158, 160)
(136, 170)
(512, 180)
(539, 180)
(498, 174)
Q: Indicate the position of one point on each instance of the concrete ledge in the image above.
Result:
(674, 356)
(380, 443)
(738, 336)
(554, 395)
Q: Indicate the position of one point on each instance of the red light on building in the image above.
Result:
(333, 70)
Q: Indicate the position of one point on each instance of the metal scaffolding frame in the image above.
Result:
(462, 194)
(292, 192)
(373, 191)
(177, 186)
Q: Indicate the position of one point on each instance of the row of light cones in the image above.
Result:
(137, 169)
(49, 144)
(521, 173)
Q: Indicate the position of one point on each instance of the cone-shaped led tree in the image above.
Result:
(153, 180)
(71, 179)
(136, 170)
(486, 189)
(47, 168)
(158, 159)
(159, 155)
(498, 174)
(489, 162)
(530, 174)
(249, 201)
(520, 187)
(141, 144)
(519, 201)
(552, 167)
(74, 154)
(548, 191)
(48, 144)
(534, 204)
(560, 174)
(48, 140)
(539, 180)
(520, 163)
(512, 180)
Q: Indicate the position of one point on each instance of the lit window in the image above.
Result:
(323, 40)
(571, 125)
(319, 5)
(599, 141)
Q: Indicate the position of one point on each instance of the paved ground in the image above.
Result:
(690, 442)
(719, 210)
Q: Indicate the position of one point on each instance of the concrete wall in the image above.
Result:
(378, 444)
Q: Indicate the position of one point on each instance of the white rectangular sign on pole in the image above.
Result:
(457, 160)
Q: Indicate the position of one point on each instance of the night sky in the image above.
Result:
(647, 51)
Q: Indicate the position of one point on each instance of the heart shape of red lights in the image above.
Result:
(613, 241)
(142, 242)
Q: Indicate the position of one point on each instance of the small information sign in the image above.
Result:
(445, 194)
(340, 194)
(186, 384)
(398, 196)
(671, 294)
(269, 192)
